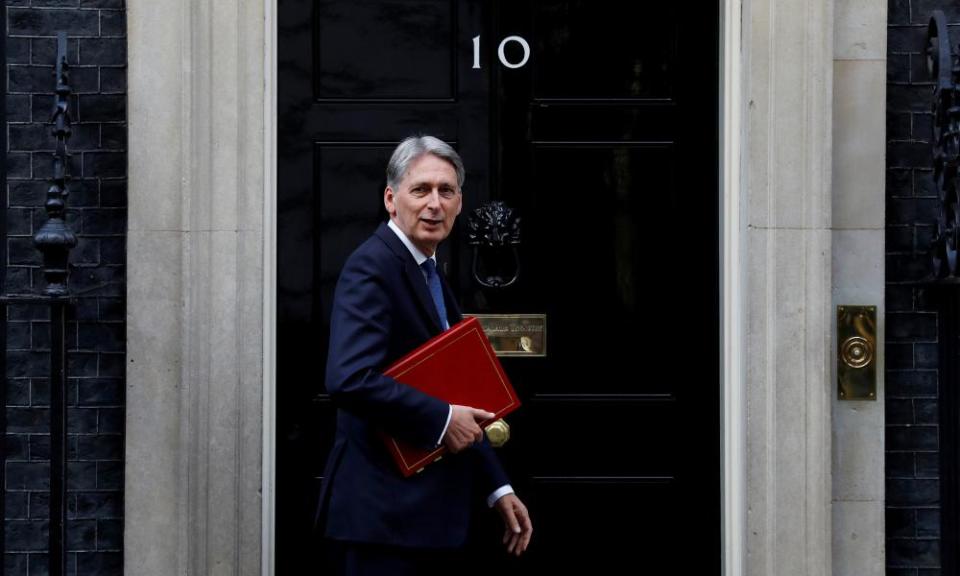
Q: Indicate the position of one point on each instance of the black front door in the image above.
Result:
(597, 123)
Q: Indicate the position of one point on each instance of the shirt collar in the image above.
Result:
(417, 254)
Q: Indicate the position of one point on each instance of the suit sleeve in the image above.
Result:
(491, 475)
(360, 325)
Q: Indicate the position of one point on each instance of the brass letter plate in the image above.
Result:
(515, 334)
(857, 352)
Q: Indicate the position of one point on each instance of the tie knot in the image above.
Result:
(429, 267)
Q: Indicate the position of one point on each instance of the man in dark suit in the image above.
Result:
(391, 298)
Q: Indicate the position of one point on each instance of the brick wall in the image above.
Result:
(912, 445)
(95, 333)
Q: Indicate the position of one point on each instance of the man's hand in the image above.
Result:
(463, 430)
(517, 525)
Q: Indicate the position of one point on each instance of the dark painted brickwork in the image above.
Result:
(912, 443)
(97, 214)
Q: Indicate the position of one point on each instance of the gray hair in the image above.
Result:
(412, 148)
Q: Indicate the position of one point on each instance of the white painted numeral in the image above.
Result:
(501, 51)
(503, 56)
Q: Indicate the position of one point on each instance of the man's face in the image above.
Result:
(426, 202)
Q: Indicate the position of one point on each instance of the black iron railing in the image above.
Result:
(54, 240)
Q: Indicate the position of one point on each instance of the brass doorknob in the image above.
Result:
(498, 433)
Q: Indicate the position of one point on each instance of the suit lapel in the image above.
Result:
(453, 311)
(413, 273)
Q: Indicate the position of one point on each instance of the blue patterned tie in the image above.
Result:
(433, 280)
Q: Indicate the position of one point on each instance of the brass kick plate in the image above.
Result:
(857, 352)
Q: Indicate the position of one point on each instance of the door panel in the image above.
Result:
(603, 50)
(364, 50)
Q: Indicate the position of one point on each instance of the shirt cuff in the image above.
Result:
(449, 414)
(498, 493)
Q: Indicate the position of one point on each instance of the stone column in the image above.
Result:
(195, 288)
(859, 153)
(787, 354)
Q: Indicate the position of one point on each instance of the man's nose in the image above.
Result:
(433, 199)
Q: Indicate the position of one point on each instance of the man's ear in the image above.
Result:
(388, 201)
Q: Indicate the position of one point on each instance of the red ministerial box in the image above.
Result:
(457, 366)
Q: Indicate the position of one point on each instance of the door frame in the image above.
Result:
(268, 466)
(732, 398)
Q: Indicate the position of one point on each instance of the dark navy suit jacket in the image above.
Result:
(382, 309)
